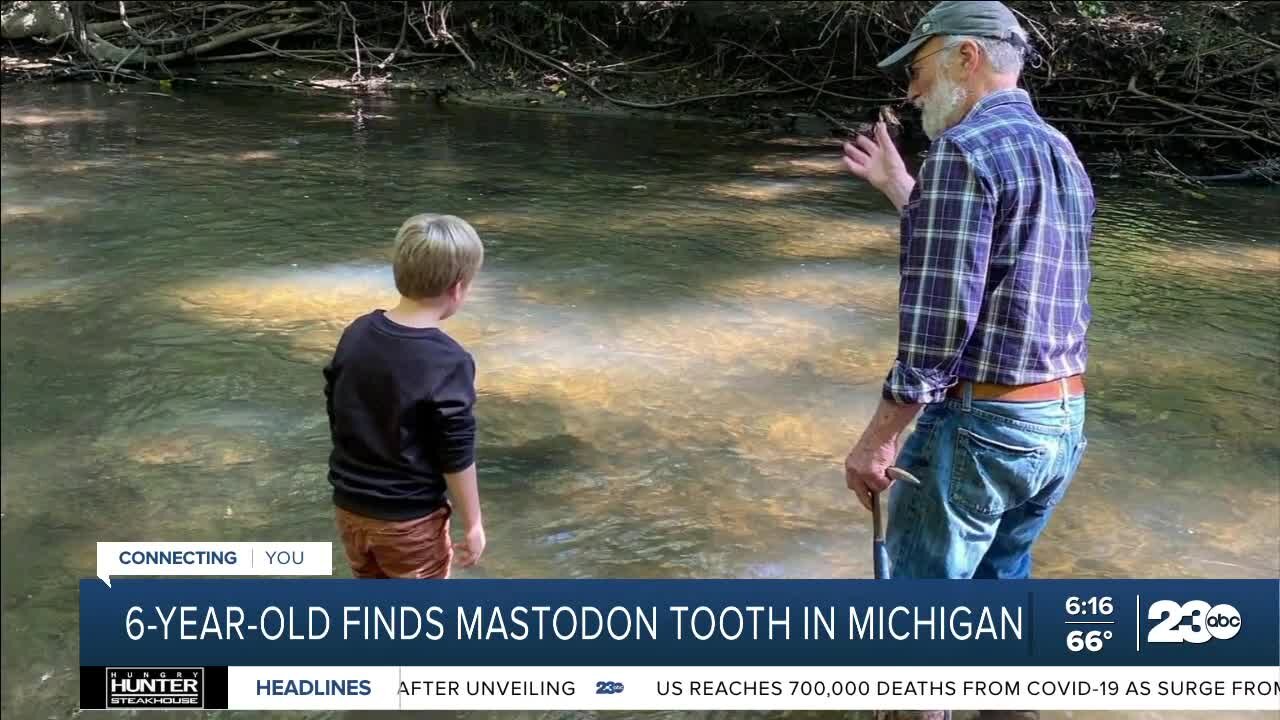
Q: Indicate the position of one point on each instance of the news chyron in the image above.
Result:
(284, 644)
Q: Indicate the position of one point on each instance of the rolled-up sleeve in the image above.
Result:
(455, 399)
(947, 231)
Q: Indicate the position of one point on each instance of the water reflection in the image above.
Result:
(13, 213)
(677, 340)
(57, 117)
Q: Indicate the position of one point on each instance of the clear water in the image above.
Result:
(679, 334)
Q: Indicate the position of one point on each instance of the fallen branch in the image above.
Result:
(163, 95)
(299, 56)
(116, 69)
(1244, 176)
(1133, 88)
(793, 79)
(112, 26)
(404, 28)
(627, 103)
(1175, 168)
(444, 30)
(837, 123)
(355, 40)
(1264, 41)
(240, 56)
(613, 68)
(1273, 60)
(1114, 123)
(101, 49)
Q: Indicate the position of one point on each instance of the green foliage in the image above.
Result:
(1091, 8)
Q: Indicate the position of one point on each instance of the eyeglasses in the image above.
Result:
(911, 67)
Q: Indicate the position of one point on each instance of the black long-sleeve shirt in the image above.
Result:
(400, 403)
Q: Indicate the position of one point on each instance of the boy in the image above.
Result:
(400, 393)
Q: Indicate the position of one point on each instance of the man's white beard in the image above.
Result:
(939, 107)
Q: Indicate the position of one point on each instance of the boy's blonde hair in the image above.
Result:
(433, 252)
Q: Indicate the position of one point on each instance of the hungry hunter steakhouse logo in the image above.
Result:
(143, 687)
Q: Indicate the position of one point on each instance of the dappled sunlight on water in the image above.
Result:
(1223, 261)
(346, 117)
(870, 291)
(721, 338)
(13, 213)
(808, 165)
(677, 339)
(805, 142)
(1234, 544)
(212, 158)
(25, 293)
(283, 299)
(76, 167)
(179, 447)
(19, 117)
(769, 191)
(834, 239)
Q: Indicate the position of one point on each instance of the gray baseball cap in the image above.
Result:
(981, 18)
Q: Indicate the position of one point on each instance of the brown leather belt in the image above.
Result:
(1039, 392)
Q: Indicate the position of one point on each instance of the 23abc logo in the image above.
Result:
(1192, 622)
(605, 687)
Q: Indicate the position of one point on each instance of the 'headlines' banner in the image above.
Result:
(201, 623)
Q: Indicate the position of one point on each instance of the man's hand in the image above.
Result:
(879, 163)
(468, 552)
(866, 466)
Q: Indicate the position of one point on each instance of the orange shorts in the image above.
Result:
(418, 548)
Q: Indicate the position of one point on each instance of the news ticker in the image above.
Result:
(680, 688)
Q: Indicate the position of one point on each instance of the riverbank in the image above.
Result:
(1175, 92)
(456, 85)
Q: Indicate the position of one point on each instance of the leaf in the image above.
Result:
(166, 84)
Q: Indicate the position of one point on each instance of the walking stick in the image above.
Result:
(879, 554)
(880, 558)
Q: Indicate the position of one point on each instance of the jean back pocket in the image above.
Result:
(990, 477)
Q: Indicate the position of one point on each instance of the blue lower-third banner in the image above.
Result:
(680, 644)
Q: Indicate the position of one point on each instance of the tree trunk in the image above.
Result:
(23, 19)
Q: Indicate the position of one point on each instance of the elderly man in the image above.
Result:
(993, 307)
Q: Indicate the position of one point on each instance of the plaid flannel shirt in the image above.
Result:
(995, 256)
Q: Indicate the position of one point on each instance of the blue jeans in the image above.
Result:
(991, 475)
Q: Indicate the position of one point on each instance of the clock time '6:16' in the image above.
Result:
(1090, 606)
